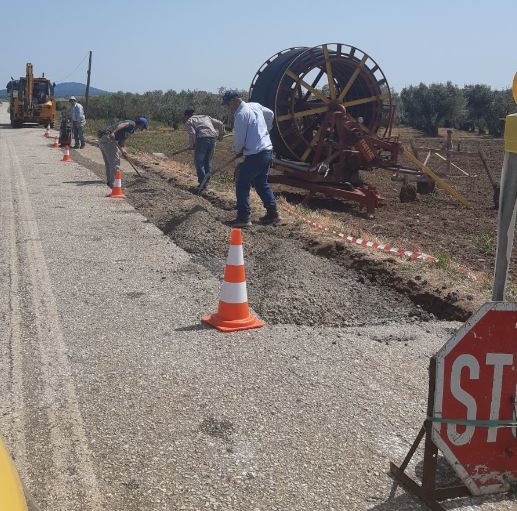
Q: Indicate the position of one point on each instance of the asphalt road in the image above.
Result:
(113, 395)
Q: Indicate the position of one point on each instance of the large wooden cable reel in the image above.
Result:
(303, 85)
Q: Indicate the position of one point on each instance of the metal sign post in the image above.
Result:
(507, 204)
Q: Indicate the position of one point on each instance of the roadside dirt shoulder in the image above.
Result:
(297, 273)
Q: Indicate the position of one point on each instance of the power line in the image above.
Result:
(76, 68)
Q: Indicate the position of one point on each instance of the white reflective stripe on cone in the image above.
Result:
(234, 292)
(235, 256)
(117, 183)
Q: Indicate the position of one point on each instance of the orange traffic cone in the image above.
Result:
(116, 191)
(47, 131)
(66, 155)
(56, 143)
(233, 312)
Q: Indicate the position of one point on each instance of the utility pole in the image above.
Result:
(87, 93)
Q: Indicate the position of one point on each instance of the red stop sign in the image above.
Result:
(475, 404)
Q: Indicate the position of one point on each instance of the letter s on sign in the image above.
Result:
(463, 397)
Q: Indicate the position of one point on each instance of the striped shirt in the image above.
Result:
(203, 126)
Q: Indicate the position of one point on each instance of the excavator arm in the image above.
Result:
(29, 86)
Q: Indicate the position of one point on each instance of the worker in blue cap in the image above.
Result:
(112, 142)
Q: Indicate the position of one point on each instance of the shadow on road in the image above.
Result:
(84, 183)
(191, 328)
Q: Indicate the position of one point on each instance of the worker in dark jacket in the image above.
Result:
(112, 142)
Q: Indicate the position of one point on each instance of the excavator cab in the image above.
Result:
(41, 93)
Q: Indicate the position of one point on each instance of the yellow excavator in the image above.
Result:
(31, 100)
(12, 494)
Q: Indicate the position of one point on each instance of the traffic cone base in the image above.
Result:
(66, 155)
(56, 144)
(233, 312)
(116, 191)
(232, 325)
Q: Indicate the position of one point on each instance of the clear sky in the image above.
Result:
(146, 45)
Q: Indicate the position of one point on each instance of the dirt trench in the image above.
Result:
(295, 275)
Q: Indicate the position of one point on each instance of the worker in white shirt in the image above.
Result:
(78, 122)
(252, 123)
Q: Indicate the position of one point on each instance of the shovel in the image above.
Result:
(134, 167)
(191, 148)
(202, 186)
(181, 151)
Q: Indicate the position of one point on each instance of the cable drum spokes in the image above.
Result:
(302, 85)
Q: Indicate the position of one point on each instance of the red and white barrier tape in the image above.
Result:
(370, 244)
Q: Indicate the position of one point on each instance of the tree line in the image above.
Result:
(164, 107)
(475, 108)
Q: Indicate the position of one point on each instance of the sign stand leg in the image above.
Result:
(427, 491)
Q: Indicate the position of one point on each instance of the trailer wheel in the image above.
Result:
(425, 187)
(408, 194)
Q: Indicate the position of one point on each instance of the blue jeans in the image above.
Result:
(111, 154)
(78, 132)
(253, 171)
(203, 154)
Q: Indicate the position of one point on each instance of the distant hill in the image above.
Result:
(67, 89)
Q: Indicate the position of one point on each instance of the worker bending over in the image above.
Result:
(202, 131)
(112, 142)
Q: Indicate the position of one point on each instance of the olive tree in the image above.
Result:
(429, 107)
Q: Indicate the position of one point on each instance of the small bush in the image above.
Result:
(443, 260)
(485, 243)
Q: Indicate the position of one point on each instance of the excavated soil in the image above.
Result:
(298, 273)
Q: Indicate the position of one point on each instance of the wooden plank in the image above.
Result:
(440, 182)
(453, 164)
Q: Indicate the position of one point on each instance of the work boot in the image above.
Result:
(271, 217)
(241, 222)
